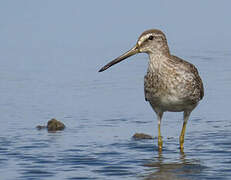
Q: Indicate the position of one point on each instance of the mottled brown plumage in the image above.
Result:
(171, 84)
(176, 80)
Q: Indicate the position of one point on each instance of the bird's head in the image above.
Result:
(150, 41)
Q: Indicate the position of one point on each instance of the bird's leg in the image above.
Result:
(186, 117)
(160, 141)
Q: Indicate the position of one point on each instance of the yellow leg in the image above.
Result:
(160, 141)
(182, 136)
(186, 116)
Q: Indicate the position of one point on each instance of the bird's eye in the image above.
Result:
(150, 37)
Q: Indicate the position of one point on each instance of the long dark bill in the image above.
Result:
(131, 52)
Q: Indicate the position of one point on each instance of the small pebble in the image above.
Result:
(39, 127)
(52, 126)
(55, 125)
(142, 136)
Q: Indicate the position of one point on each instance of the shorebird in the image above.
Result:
(171, 83)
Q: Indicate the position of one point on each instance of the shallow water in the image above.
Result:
(102, 111)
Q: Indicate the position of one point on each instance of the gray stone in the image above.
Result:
(55, 125)
(39, 127)
(142, 136)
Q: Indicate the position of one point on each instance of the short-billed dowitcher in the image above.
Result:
(171, 84)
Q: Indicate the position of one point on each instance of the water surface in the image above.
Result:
(102, 111)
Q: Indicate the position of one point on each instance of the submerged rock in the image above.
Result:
(142, 136)
(52, 125)
(55, 125)
(39, 127)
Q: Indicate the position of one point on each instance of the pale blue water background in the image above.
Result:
(50, 54)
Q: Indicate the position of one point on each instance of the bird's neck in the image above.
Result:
(156, 61)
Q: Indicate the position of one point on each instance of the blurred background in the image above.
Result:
(71, 24)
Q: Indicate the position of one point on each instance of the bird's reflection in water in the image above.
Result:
(182, 168)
